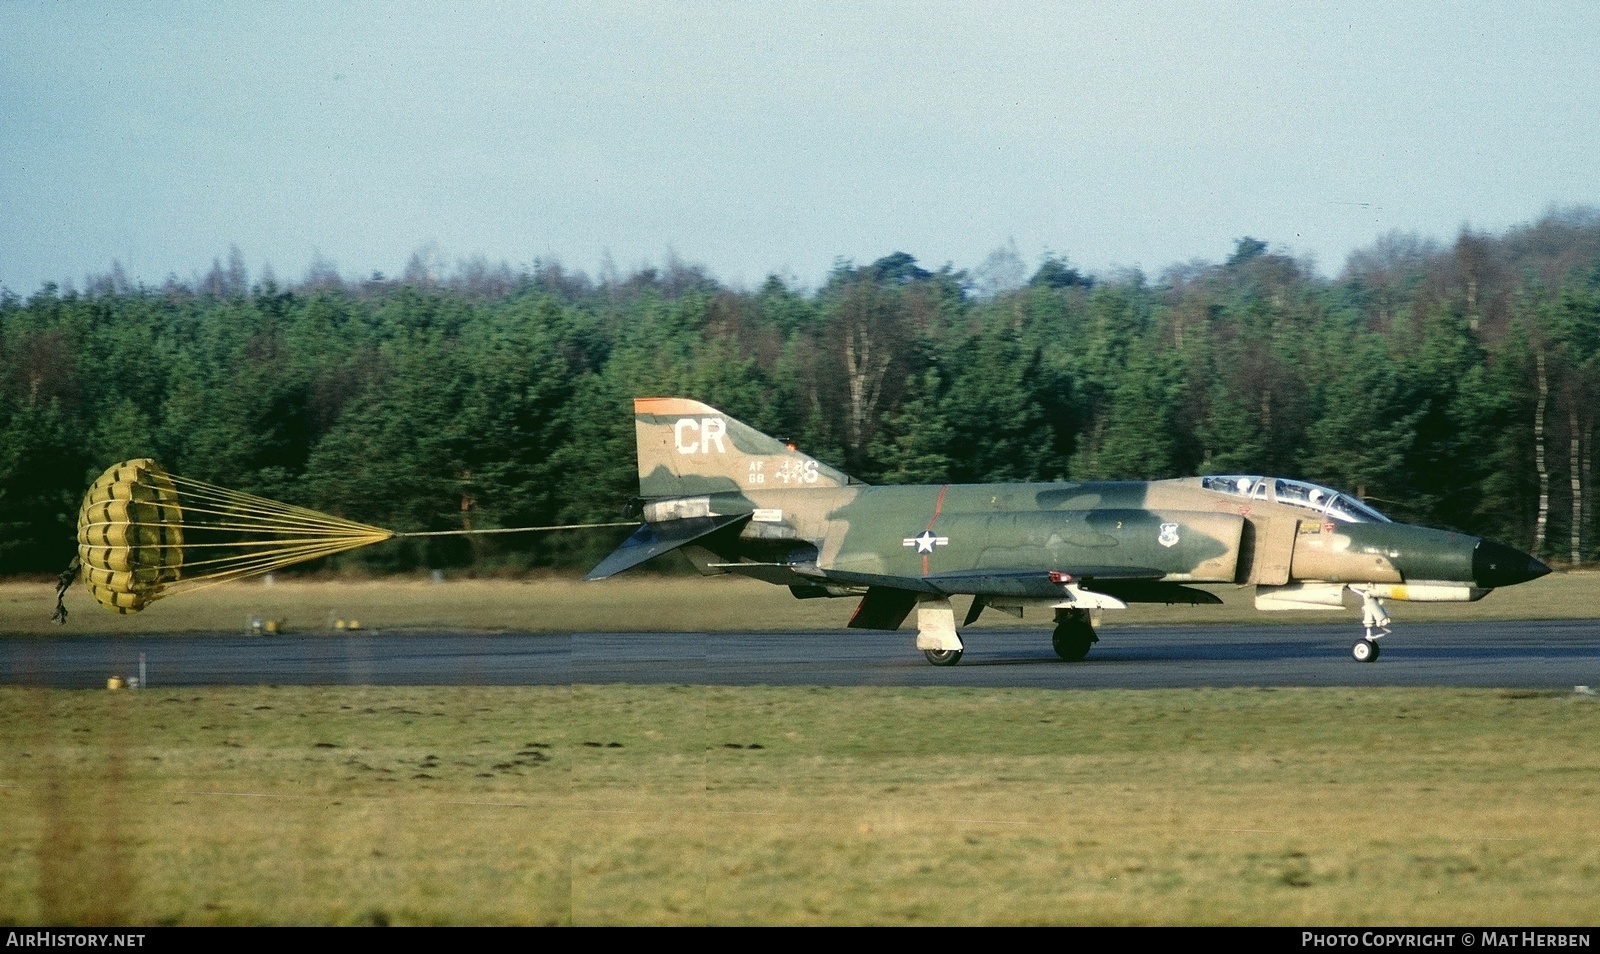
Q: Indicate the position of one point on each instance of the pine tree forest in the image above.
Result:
(1453, 385)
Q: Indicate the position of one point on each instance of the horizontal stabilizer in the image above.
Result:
(653, 539)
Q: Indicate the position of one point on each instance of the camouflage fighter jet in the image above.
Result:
(737, 501)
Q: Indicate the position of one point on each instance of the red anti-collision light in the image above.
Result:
(1056, 576)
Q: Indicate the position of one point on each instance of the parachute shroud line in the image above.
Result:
(144, 534)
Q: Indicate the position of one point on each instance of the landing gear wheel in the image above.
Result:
(1364, 651)
(943, 657)
(1074, 634)
(1071, 643)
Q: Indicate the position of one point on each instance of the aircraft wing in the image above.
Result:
(1040, 584)
(1024, 583)
(1129, 584)
(889, 600)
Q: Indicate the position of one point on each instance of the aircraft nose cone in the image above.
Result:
(1495, 564)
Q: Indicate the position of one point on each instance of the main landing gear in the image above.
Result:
(1375, 621)
(936, 633)
(1074, 634)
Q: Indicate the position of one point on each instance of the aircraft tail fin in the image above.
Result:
(688, 448)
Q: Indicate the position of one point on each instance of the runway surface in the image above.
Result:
(1557, 654)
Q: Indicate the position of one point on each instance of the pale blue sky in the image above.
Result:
(755, 138)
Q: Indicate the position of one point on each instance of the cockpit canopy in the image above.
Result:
(1298, 493)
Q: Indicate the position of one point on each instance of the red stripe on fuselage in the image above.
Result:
(938, 505)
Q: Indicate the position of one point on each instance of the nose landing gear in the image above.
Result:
(1375, 621)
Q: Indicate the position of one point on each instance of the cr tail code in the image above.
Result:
(698, 436)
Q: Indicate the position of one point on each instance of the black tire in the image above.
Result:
(1364, 651)
(943, 657)
(1072, 641)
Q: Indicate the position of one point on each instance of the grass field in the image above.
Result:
(679, 805)
(651, 602)
(692, 805)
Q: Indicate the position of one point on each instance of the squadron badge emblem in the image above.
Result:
(1169, 535)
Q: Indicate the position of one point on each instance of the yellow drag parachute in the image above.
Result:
(130, 535)
(144, 534)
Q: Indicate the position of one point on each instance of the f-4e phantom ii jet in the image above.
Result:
(737, 501)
